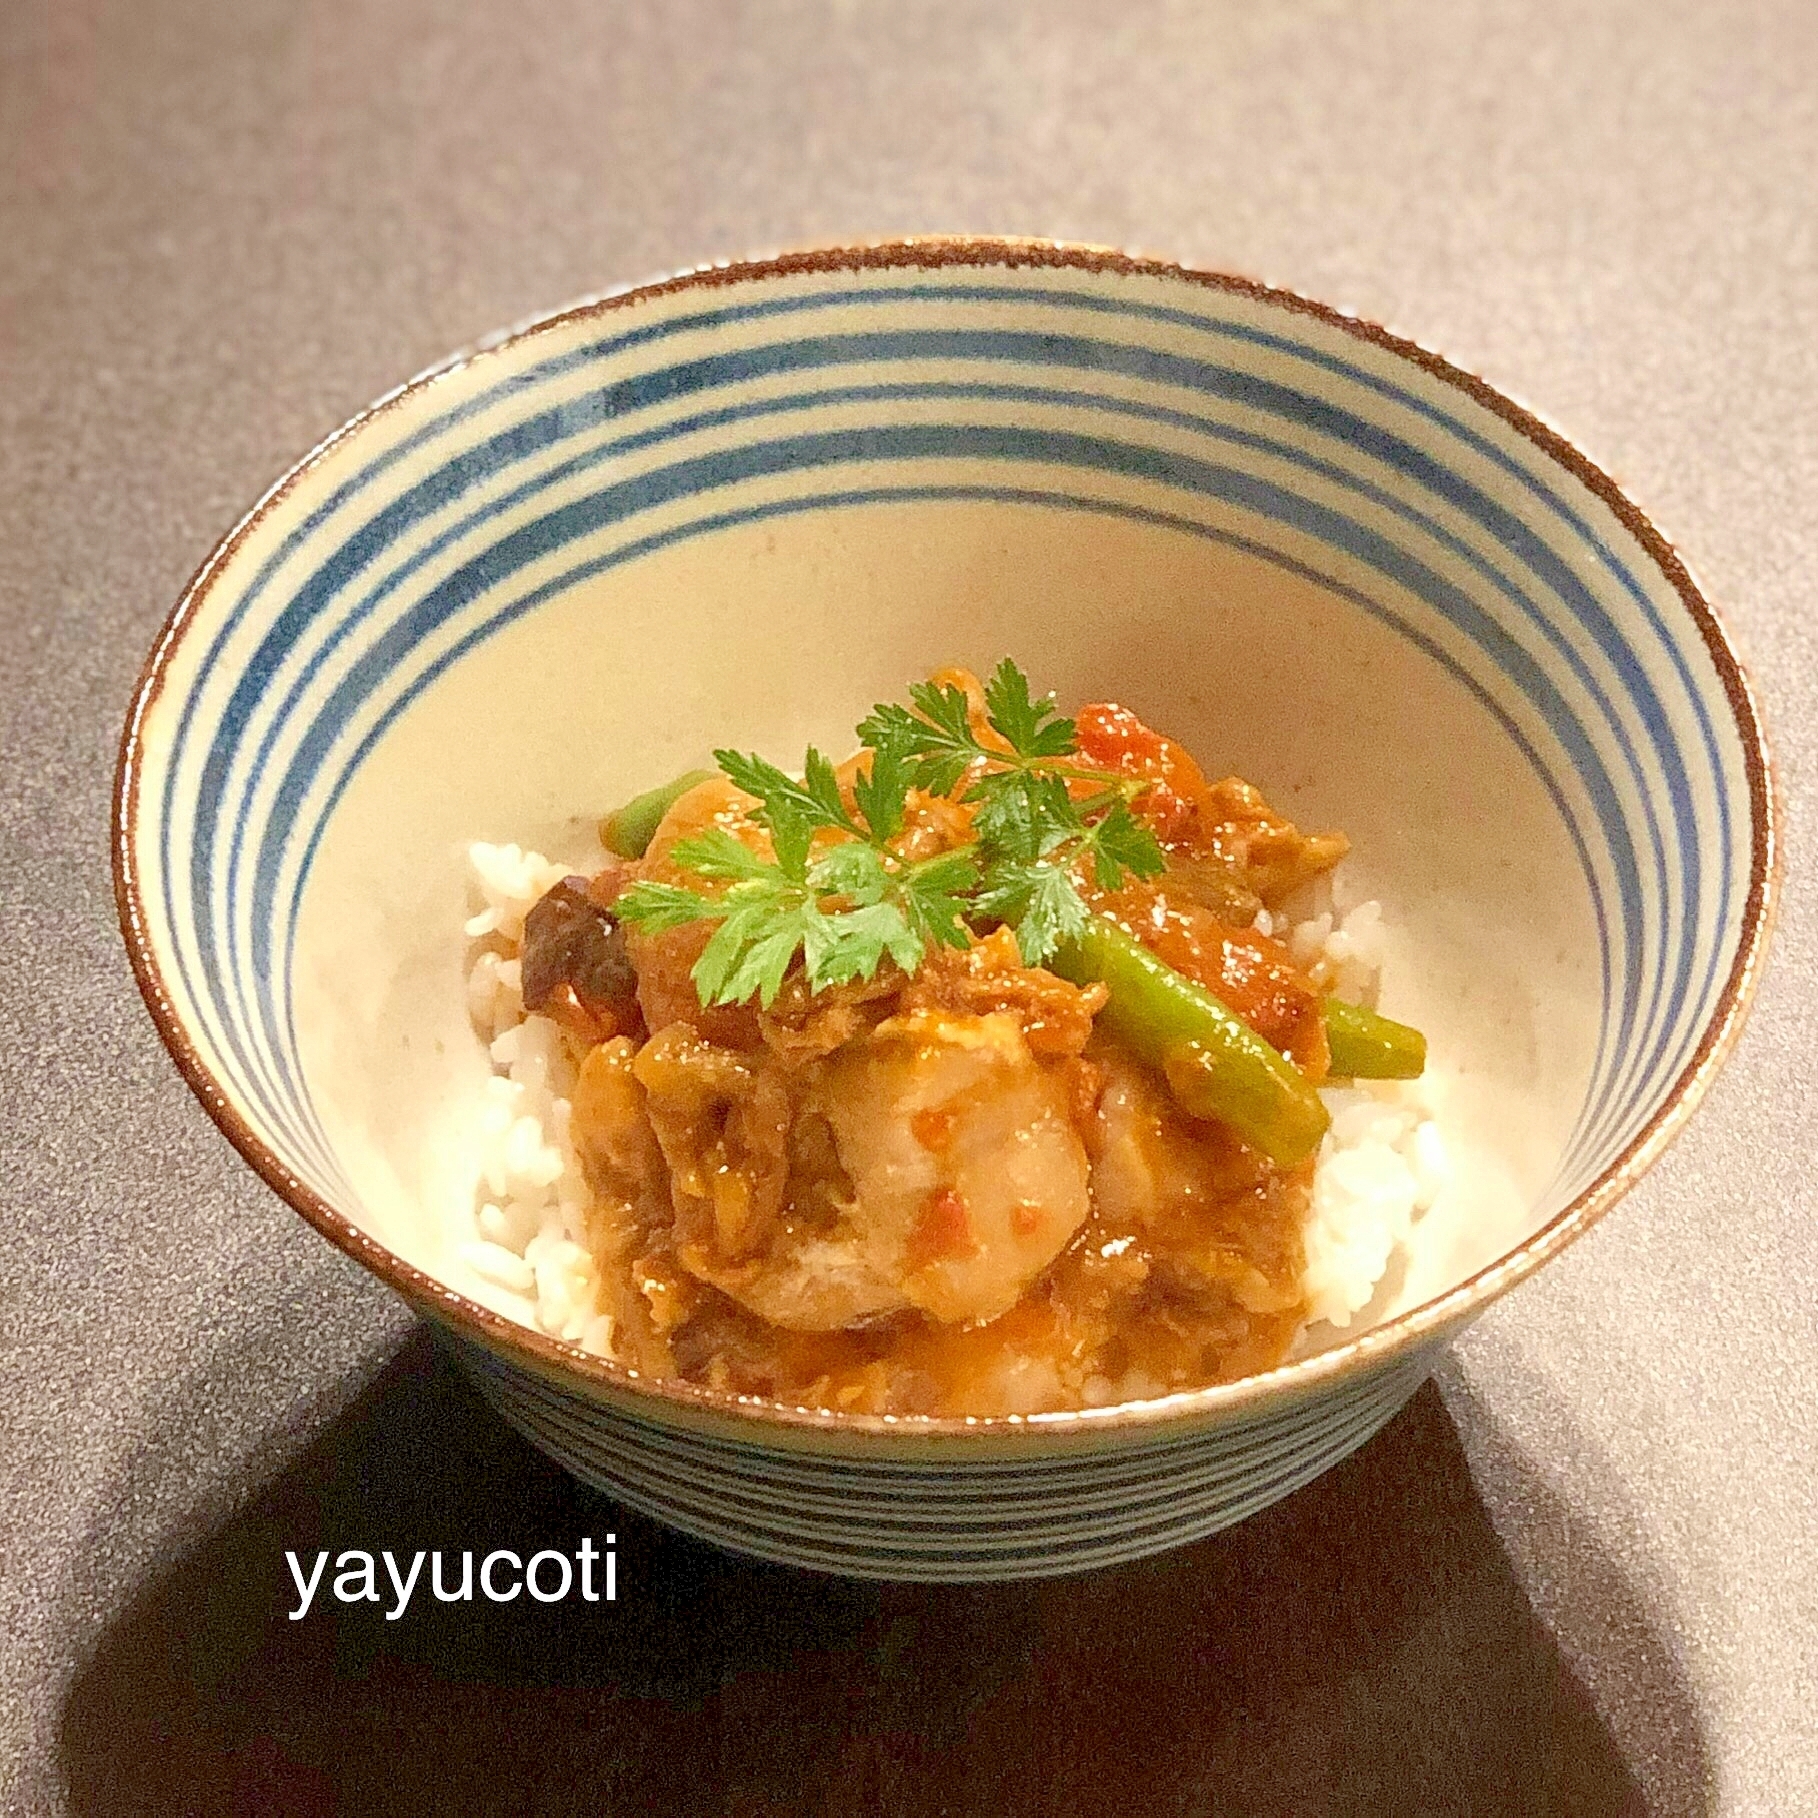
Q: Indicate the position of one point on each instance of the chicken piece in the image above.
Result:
(630, 1215)
(803, 1026)
(932, 1164)
(1209, 1211)
(932, 824)
(1275, 857)
(610, 1126)
(968, 1176)
(722, 1120)
(1216, 884)
(1055, 1016)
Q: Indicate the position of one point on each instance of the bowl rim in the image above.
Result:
(690, 1403)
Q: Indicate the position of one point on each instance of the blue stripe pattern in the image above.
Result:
(610, 436)
(1530, 572)
(879, 1518)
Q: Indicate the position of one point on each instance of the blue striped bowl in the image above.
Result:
(739, 506)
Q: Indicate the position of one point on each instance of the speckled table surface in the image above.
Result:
(1580, 1574)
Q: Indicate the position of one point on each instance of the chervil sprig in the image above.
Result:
(843, 905)
(1034, 831)
(793, 811)
(839, 894)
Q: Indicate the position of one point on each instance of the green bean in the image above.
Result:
(1368, 1046)
(628, 830)
(1217, 1065)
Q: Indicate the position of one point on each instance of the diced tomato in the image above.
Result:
(943, 1232)
(933, 1126)
(1112, 738)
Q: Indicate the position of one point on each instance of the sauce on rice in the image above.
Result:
(952, 1193)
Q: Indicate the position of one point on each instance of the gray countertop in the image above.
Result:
(1580, 1574)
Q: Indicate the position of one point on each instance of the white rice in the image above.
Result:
(1381, 1165)
(530, 1223)
(1383, 1162)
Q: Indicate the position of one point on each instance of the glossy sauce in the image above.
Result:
(1017, 1216)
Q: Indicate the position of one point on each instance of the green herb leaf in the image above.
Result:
(717, 854)
(882, 789)
(936, 740)
(763, 960)
(1031, 728)
(775, 789)
(890, 726)
(846, 905)
(822, 787)
(662, 906)
(935, 896)
(852, 870)
(1056, 912)
(1023, 813)
(1119, 842)
(944, 706)
(745, 924)
(1008, 818)
(851, 945)
(1039, 901)
(791, 810)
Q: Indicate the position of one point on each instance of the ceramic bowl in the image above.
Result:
(739, 506)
